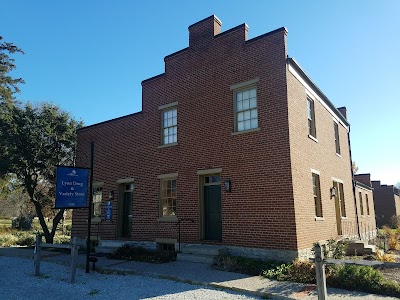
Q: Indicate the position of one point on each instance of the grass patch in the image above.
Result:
(141, 254)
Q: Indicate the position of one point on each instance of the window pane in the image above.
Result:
(246, 95)
(253, 113)
(254, 123)
(253, 93)
(240, 126)
(246, 104)
(174, 121)
(253, 103)
(239, 96)
(174, 112)
(247, 124)
(240, 116)
(246, 115)
(240, 106)
(166, 140)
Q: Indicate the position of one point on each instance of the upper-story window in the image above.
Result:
(336, 132)
(170, 126)
(311, 118)
(367, 203)
(246, 109)
(361, 203)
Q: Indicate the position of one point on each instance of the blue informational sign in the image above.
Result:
(108, 211)
(71, 187)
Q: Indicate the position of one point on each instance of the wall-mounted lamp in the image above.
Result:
(227, 185)
(111, 195)
(333, 192)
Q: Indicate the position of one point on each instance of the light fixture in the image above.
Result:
(333, 192)
(111, 195)
(227, 185)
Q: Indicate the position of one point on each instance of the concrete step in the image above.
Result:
(197, 258)
(360, 248)
(204, 250)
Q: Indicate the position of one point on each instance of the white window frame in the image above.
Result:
(169, 124)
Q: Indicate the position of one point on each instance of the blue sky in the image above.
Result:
(89, 57)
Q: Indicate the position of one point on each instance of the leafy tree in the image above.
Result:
(355, 167)
(33, 140)
(8, 84)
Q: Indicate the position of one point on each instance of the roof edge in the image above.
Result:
(109, 121)
(303, 74)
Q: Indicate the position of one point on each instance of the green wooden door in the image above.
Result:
(212, 213)
(126, 215)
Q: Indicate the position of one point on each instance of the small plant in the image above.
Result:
(393, 237)
(382, 256)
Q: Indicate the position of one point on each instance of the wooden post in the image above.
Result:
(320, 272)
(37, 253)
(74, 258)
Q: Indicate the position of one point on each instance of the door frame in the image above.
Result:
(123, 187)
(202, 175)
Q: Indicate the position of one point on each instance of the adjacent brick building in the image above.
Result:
(236, 142)
(387, 204)
(365, 206)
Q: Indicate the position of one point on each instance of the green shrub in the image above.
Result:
(127, 252)
(62, 239)
(243, 265)
(27, 240)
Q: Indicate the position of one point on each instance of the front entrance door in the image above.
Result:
(212, 212)
(125, 199)
(339, 206)
(126, 225)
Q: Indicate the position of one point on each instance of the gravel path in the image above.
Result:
(17, 282)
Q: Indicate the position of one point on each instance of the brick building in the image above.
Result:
(387, 204)
(236, 142)
(365, 206)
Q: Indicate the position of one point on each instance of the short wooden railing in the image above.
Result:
(74, 255)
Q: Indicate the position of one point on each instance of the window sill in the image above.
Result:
(319, 219)
(245, 131)
(337, 154)
(168, 219)
(168, 145)
(313, 138)
(344, 218)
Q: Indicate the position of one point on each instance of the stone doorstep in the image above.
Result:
(197, 258)
(204, 250)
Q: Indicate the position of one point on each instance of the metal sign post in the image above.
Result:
(90, 207)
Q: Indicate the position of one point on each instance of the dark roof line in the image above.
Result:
(267, 34)
(109, 121)
(315, 87)
(154, 77)
(175, 53)
(363, 185)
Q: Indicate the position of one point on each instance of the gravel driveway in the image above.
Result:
(17, 282)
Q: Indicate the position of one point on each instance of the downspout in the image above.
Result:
(354, 186)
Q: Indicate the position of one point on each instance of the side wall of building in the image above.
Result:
(386, 207)
(366, 219)
(310, 155)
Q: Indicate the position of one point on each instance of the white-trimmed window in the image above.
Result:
(340, 195)
(246, 109)
(367, 203)
(168, 197)
(169, 126)
(317, 195)
(336, 133)
(361, 203)
(311, 117)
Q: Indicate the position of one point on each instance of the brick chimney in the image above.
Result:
(203, 32)
(364, 178)
(343, 111)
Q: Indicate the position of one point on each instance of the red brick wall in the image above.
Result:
(259, 211)
(387, 203)
(367, 223)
